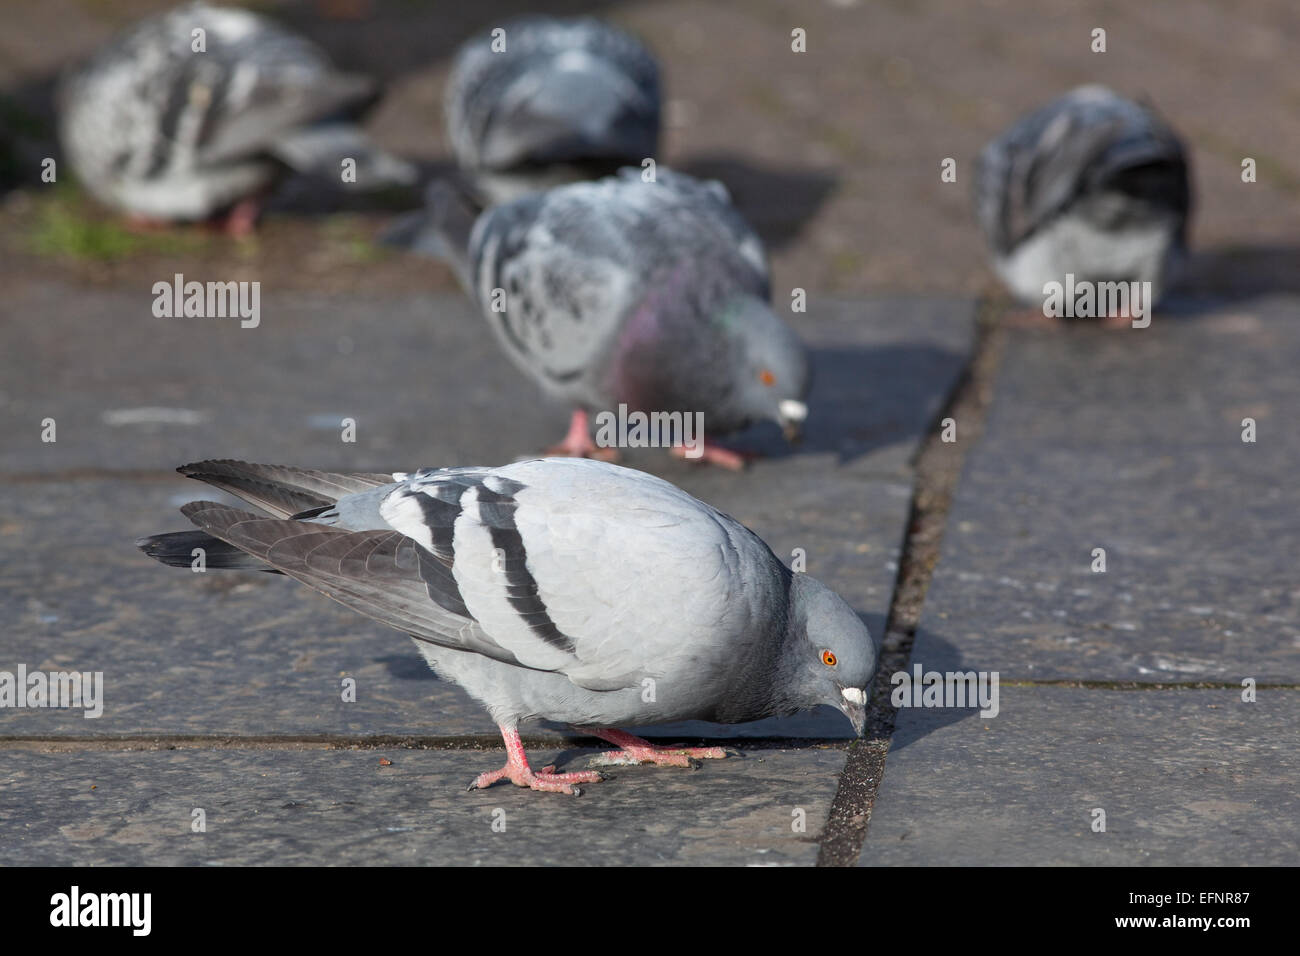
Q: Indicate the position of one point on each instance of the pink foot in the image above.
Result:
(241, 221)
(1122, 319)
(711, 454)
(578, 444)
(637, 751)
(520, 774)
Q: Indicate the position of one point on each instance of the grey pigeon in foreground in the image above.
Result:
(539, 101)
(1091, 184)
(562, 589)
(653, 295)
(162, 131)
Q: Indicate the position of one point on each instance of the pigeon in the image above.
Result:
(1093, 185)
(652, 295)
(563, 589)
(199, 110)
(542, 100)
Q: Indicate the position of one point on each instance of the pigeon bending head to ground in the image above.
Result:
(1091, 184)
(197, 111)
(540, 101)
(653, 295)
(564, 589)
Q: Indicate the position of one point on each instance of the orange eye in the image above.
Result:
(828, 659)
(766, 377)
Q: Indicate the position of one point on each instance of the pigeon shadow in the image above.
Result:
(933, 653)
(27, 133)
(778, 203)
(1220, 276)
(864, 398)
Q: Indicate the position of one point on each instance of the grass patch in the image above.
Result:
(66, 227)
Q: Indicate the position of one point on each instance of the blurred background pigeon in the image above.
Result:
(1091, 184)
(542, 101)
(649, 294)
(559, 589)
(198, 111)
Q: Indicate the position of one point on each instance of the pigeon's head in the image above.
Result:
(835, 657)
(773, 372)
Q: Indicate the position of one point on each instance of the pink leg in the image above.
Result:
(520, 774)
(1123, 319)
(635, 750)
(241, 221)
(578, 444)
(712, 454)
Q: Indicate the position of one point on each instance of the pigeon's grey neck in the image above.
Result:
(761, 686)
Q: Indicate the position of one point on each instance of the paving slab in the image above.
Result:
(1131, 441)
(342, 808)
(254, 654)
(420, 375)
(1186, 777)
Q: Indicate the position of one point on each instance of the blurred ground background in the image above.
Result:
(833, 154)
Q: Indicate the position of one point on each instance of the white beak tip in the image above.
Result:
(793, 411)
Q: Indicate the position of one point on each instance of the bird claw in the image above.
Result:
(688, 757)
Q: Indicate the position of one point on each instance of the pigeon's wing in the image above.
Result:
(603, 574)
(568, 267)
(706, 206)
(256, 83)
(606, 575)
(200, 86)
(554, 277)
(281, 490)
(382, 574)
(1089, 140)
(548, 90)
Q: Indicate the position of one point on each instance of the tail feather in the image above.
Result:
(177, 549)
(321, 149)
(279, 489)
(441, 230)
(283, 491)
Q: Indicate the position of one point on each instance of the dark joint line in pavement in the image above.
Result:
(938, 468)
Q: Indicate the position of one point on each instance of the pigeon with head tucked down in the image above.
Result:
(565, 589)
(648, 294)
(1092, 185)
(199, 110)
(542, 100)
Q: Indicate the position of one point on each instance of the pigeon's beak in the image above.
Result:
(854, 705)
(791, 414)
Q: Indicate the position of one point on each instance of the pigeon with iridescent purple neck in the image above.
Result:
(647, 293)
